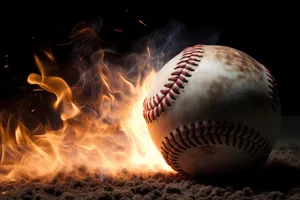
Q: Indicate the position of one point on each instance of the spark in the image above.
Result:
(148, 49)
(149, 55)
(49, 55)
(36, 90)
(6, 56)
(118, 30)
(4, 192)
(32, 110)
(142, 23)
(6, 66)
(82, 107)
(105, 65)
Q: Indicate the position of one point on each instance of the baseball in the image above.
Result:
(213, 109)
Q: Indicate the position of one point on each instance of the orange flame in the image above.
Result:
(113, 137)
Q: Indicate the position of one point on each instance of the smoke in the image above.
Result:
(168, 41)
(176, 36)
(164, 43)
(90, 53)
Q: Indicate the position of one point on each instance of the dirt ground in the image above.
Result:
(279, 179)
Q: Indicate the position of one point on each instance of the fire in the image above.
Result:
(108, 132)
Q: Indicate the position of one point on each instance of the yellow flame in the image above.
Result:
(115, 137)
(57, 86)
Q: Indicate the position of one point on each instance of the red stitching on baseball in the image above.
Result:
(213, 132)
(273, 87)
(154, 106)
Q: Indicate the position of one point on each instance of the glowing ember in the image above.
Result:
(37, 90)
(148, 50)
(118, 30)
(142, 23)
(111, 137)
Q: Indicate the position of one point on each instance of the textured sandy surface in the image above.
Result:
(280, 179)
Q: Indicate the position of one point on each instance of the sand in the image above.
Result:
(279, 179)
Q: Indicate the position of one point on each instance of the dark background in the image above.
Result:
(269, 39)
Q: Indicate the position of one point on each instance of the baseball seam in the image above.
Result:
(154, 106)
(273, 90)
(211, 132)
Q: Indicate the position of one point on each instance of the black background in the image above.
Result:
(269, 39)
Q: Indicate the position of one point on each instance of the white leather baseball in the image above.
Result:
(213, 109)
